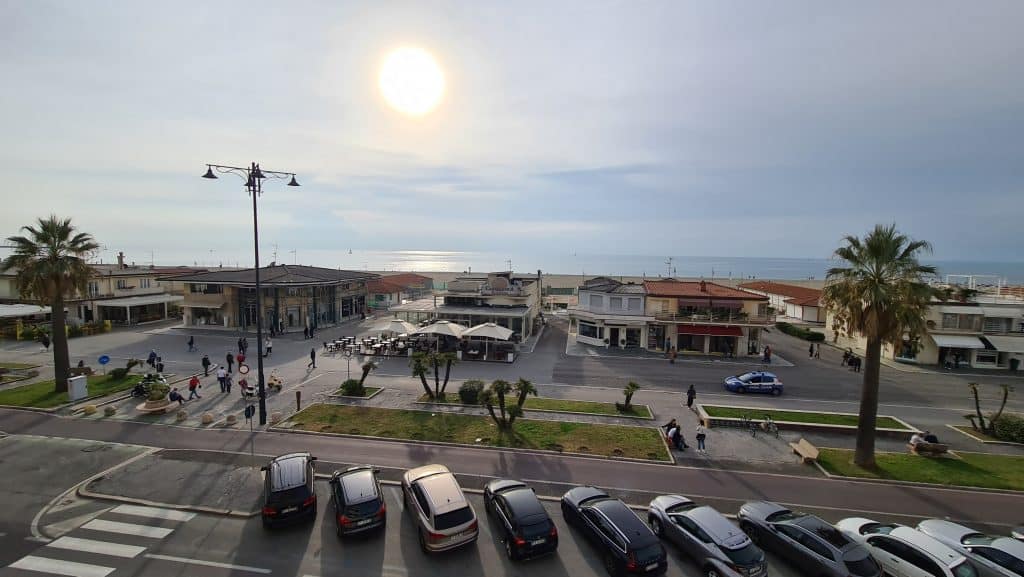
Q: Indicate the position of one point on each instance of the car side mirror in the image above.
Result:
(263, 468)
(312, 458)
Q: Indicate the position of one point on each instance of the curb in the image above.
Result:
(985, 441)
(525, 410)
(803, 426)
(348, 397)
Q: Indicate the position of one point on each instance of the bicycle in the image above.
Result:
(769, 426)
(749, 425)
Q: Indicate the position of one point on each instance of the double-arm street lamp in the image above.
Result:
(254, 177)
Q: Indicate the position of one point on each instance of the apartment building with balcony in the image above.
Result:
(705, 317)
(394, 289)
(798, 304)
(611, 313)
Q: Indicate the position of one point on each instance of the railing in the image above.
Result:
(717, 318)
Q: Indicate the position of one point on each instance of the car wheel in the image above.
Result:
(609, 565)
(776, 392)
(741, 389)
(712, 572)
(423, 543)
(655, 525)
(509, 550)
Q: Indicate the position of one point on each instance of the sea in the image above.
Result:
(986, 272)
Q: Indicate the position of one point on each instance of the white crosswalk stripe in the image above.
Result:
(153, 512)
(128, 528)
(58, 567)
(100, 547)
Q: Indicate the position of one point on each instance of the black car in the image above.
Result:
(628, 545)
(358, 502)
(527, 529)
(288, 492)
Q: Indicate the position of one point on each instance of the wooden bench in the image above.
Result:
(79, 371)
(933, 449)
(807, 451)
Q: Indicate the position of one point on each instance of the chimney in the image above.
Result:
(703, 286)
(120, 260)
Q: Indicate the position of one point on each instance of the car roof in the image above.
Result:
(1009, 545)
(412, 475)
(443, 493)
(936, 548)
(826, 531)
(635, 531)
(288, 471)
(718, 527)
(522, 503)
(358, 486)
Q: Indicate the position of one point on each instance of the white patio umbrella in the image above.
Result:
(397, 326)
(489, 331)
(441, 328)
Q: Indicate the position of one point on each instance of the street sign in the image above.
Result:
(250, 410)
(104, 359)
(243, 369)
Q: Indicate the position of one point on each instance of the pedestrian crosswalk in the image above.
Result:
(101, 545)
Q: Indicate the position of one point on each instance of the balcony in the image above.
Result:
(716, 318)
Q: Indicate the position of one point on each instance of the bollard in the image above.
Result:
(298, 400)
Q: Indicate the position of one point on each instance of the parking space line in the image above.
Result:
(207, 563)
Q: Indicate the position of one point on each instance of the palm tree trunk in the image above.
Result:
(61, 357)
(447, 372)
(999, 413)
(426, 385)
(490, 409)
(977, 409)
(864, 456)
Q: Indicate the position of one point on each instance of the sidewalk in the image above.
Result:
(575, 349)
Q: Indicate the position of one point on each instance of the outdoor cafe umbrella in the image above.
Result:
(397, 326)
(441, 328)
(489, 331)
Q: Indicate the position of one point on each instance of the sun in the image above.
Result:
(411, 81)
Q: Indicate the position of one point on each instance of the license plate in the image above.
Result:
(364, 522)
(651, 567)
(536, 542)
(289, 510)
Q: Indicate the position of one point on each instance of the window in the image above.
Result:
(985, 358)
(122, 283)
(94, 288)
(615, 303)
(421, 499)
(596, 301)
(453, 518)
(206, 289)
(692, 528)
(920, 560)
(589, 330)
(634, 304)
(144, 283)
(815, 546)
(997, 325)
(791, 532)
(950, 321)
(1000, 558)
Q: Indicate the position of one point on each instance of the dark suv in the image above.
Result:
(358, 502)
(288, 492)
(627, 542)
(526, 527)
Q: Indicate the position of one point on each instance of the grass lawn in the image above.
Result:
(978, 434)
(798, 417)
(17, 366)
(41, 395)
(970, 470)
(607, 440)
(566, 406)
(369, 391)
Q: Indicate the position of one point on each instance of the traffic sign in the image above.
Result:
(104, 359)
(243, 369)
(250, 410)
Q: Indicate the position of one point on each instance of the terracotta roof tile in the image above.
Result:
(691, 289)
(792, 291)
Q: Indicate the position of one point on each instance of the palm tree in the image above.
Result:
(420, 368)
(367, 367)
(881, 294)
(496, 394)
(50, 266)
(522, 389)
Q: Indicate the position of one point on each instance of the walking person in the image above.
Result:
(702, 436)
(817, 351)
(241, 347)
(151, 359)
(312, 358)
(810, 352)
(230, 360)
(222, 375)
(672, 355)
(245, 346)
(305, 332)
(191, 343)
(691, 394)
(767, 355)
(45, 341)
(206, 365)
(227, 383)
(268, 346)
(193, 385)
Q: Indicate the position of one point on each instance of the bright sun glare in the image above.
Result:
(411, 81)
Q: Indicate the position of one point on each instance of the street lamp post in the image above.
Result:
(254, 185)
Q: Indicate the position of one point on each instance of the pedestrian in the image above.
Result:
(268, 346)
(305, 332)
(245, 346)
(45, 341)
(669, 426)
(206, 365)
(702, 436)
(174, 395)
(193, 385)
(151, 359)
(817, 351)
(810, 352)
(673, 435)
(312, 329)
(159, 364)
(672, 355)
(241, 347)
(191, 343)
(222, 376)
(691, 394)
(241, 360)
(312, 358)
(767, 355)
(227, 383)
(230, 360)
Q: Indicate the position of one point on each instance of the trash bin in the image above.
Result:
(1014, 364)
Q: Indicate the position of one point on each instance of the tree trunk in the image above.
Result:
(999, 413)
(629, 400)
(977, 409)
(501, 405)
(363, 378)
(437, 379)
(447, 372)
(865, 454)
(426, 386)
(490, 409)
(59, 340)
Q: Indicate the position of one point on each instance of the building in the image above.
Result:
(391, 290)
(294, 297)
(610, 314)
(798, 304)
(502, 298)
(704, 317)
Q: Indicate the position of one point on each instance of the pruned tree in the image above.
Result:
(367, 367)
(982, 426)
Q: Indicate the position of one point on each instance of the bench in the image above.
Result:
(807, 451)
(933, 449)
(79, 371)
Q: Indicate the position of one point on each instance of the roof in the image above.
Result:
(523, 503)
(633, 529)
(279, 275)
(804, 302)
(409, 279)
(609, 285)
(288, 471)
(443, 492)
(1006, 344)
(22, 310)
(358, 486)
(140, 300)
(701, 289)
(381, 286)
(797, 293)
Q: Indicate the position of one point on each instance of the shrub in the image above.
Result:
(158, 391)
(353, 388)
(1010, 428)
(800, 332)
(469, 392)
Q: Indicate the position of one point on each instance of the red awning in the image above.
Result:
(711, 330)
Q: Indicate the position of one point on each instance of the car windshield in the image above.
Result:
(863, 567)
(977, 539)
(453, 518)
(649, 553)
(746, 378)
(784, 515)
(964, 569)
(364, 509)
(876, 529)
(299, 493)
(535, 530)
(744, 556)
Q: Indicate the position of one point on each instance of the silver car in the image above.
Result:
(444, 518)
(906, 552)
(994, 556)
(705, 535)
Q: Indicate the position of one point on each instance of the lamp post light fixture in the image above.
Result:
(348, 364)
(254, 177)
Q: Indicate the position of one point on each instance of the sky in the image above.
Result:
(758, 129)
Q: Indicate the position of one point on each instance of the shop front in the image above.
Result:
(709, 339)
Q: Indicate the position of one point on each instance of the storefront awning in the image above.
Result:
(213, 307)
(22, 310)
(710, 330)
(140, 300)
(958, 342)
(1007, 344)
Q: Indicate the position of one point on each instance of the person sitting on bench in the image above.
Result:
(246, 389)
(930, 437)
(916, 439)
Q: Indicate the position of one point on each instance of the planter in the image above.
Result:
(154, 407)
(711, 422)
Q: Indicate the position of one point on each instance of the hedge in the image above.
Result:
(1010, 428)
(800, 332)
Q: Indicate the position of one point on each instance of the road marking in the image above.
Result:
(207, 563)
(128, 529)
(153, 512)
(58, 567)
(101, 547)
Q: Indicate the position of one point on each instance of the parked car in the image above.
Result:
(705, 534)
(992, 555)
(907, 552)
(1018, 533)
(444, 518)
(628, 545)
(358, 501)
(526, 528)
(288, 492)
(806, 541)
(754, 382)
